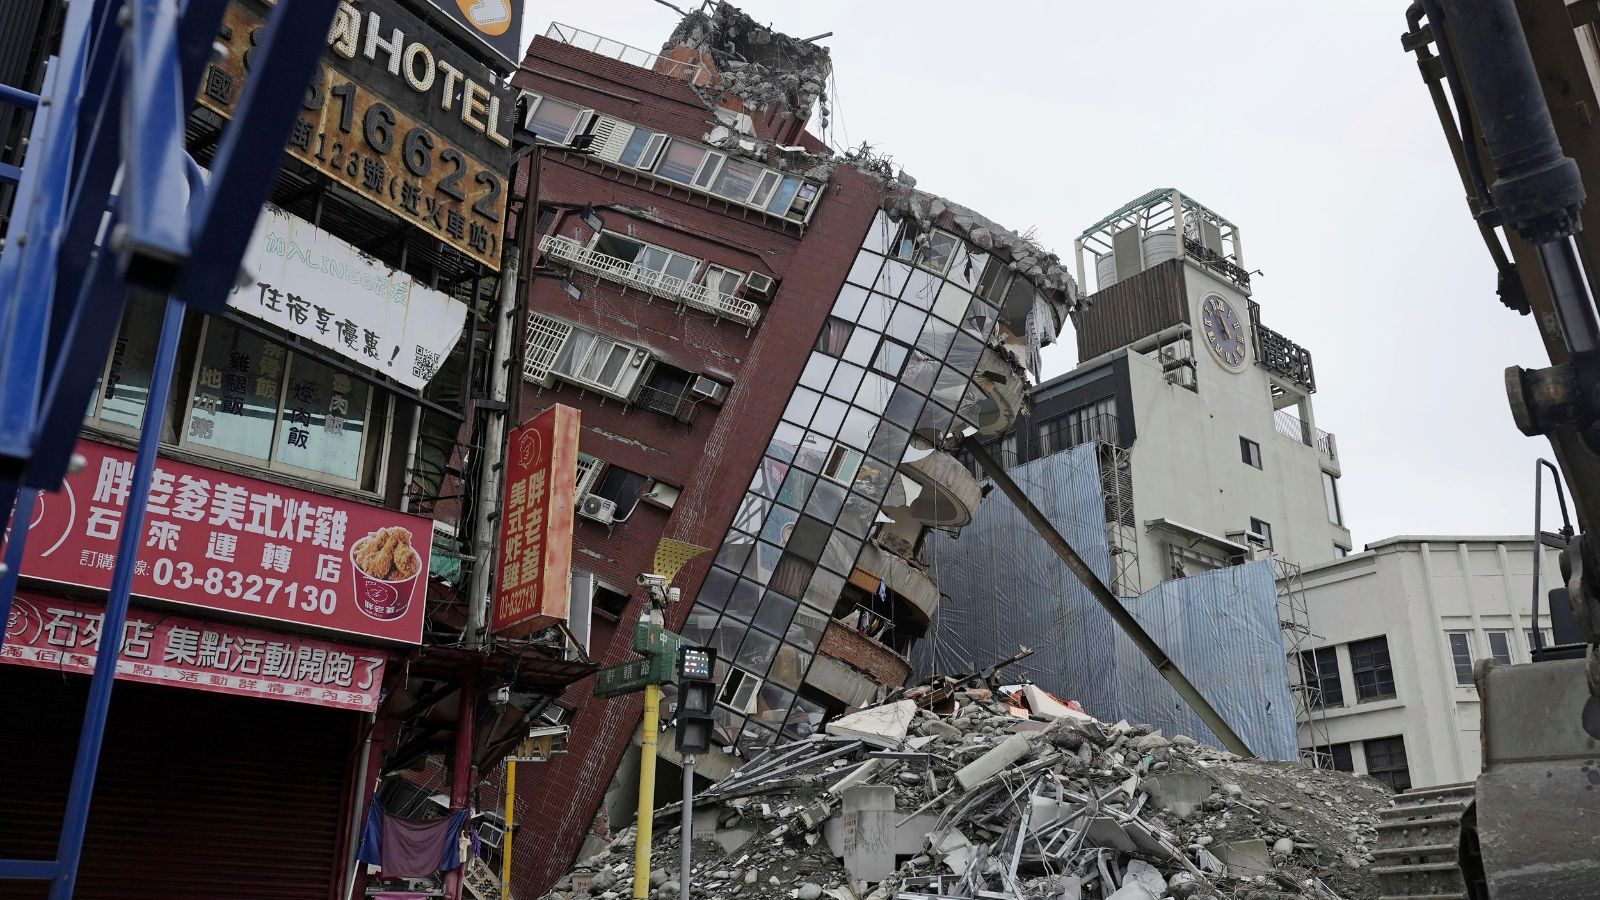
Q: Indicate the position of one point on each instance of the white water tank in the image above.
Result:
(1160, 246)
(1105, 271)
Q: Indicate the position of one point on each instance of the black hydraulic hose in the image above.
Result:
(1458, 95)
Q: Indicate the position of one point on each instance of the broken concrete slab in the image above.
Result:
(1041, 703)
(911, 836)
(992, 763)
(861, 774)
(1249, 857)
(955, 851)
(1180, 793)
(867, 832)
(1141, 872)
(881, 726)
(1104, 831)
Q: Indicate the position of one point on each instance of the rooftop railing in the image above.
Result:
(627, 53)
(1292, 426)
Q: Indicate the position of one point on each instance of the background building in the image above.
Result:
(1212, 449)
(773, 347)
(1388, 669)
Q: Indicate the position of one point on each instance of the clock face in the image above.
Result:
(1224, 333)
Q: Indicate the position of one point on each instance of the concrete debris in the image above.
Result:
(971, 804)
(884, 726)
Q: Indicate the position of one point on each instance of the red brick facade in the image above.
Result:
(713, 460)
(859, 651)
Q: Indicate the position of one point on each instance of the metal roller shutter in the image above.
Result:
(200, 796)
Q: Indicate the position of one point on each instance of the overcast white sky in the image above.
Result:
(1303, 123)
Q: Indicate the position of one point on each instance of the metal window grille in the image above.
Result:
(545, 339)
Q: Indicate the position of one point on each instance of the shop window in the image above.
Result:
(1249, 452)
(1369, 663)
(1386, 761)
(246, 399)
(1461, 655)
(1319, 671)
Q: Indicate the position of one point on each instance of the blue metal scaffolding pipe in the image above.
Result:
(18, 97)
(70, 850)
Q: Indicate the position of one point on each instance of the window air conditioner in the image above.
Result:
(759, 286)
(598, 508)
(708, 389)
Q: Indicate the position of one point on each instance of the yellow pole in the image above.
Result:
(505, 845)
(647, 791)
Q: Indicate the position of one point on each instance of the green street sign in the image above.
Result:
(633, 675)
(653, 640)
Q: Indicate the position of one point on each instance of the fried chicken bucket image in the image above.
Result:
(385, 568)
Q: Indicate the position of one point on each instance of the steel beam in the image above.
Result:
(1113, 607)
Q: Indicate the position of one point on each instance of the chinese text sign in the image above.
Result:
(536, 512)
(227, 542)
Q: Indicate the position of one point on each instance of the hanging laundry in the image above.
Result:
(411, 848)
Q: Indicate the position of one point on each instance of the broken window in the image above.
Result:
(1386, 761)
(621, 487)
(1263, 530)
(609, 602)
(1369, 663)
(842, 464)
(929, 248)
(739, 691)
(666, 392)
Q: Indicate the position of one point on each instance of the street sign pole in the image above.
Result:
(686, 833)
(647, 792)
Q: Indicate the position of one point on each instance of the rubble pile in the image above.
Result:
(1032, 800)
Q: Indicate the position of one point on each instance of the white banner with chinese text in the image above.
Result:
(314, 285)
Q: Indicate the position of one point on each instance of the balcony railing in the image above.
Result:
(679, 407)
(659, 284)
(627, 53)
(1292, 426)
(1214, 260)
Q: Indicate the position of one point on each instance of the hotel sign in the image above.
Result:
(396, 114)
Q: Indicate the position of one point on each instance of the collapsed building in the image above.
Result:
(774, 348)
(1009, 796)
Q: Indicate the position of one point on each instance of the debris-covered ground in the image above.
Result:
(898, 802)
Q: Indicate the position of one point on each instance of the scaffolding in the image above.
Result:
(1295, 620)
(1122, 537)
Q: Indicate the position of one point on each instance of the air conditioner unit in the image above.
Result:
(759, 286)
(708, 389)
(598, 508)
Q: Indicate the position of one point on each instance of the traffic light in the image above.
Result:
(696, 692)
